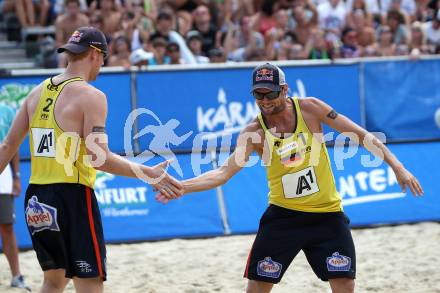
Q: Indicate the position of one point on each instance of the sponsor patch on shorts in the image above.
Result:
(269, 268)
(40, 216)
(338, 263)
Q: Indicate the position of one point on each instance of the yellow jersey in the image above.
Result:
(299, 171)
(56, 156)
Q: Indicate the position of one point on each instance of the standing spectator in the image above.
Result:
(316, 47)
(396, 22)
(358, 5)
(264, 20)
(159, 45)
(130, 30)
(9, 188)
(332, 18)
(407, 6)
(26, 12)
(173, 51)
(385, 46)
(203, 24)
(304, 22)
(111, 16)
(164, 23)
(245, 34)
(422, 12)
(194, 41)
(366, 36)
(66, 23)
(121, 53)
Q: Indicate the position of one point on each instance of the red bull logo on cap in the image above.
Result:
(264, 74)
(75, 37)
(40, 216)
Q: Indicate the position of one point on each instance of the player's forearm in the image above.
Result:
(377, 148)
(205, 181)
(118, 165)
(6, 154)
(15, 164)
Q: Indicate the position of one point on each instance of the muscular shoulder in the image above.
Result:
(314, 107)
(87, 95)
(253, 127)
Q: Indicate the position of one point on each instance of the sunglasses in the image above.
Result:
(99, 50)
(270, 95)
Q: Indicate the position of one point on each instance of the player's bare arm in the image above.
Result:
(95, 113)
(249, 140)
(324, 113)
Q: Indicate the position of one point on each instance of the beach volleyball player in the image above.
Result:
(66, 119)
(305, 211)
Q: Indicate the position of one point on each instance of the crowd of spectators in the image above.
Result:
(154, 32)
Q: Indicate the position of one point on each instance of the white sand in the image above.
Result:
(389, 259)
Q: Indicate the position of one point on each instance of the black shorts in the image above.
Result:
(325, 239)
(66, 229)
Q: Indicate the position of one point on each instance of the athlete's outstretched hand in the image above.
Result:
(406, 179)
(166, 184)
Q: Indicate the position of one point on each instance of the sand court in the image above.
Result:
(394, 259)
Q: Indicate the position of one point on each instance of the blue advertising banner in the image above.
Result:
(13, 91)
(403, 98)
(190, 109)
(130, 212)
(371, 195)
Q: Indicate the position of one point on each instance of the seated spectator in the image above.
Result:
(418, 44)
(366, 35)
(173, 52)
(316, 47)
(140, 57)
(396, 22)
(194, 41)
(350, 47)
(120, 53)
(370, 51)
(296, 52)
(385, 45)
(402, 50)
(164, 23)
(332, 18)
(203, 24)
(159, 45)
(432, 30)
(27, 11)
(371, 6)
(217, 55)
(68, 22)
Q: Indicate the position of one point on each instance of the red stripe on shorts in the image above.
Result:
(248, 261)
(92, 230)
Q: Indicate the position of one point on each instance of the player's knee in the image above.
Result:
(258, 287)
(54, 285)
(342, 285)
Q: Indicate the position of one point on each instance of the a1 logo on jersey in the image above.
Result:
(43, 142)
(301, 183)
(40, 216)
